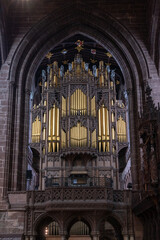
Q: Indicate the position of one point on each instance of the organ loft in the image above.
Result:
(79, 125)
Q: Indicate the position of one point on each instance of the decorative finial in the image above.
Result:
(49, 55)
(93, 60)
(65, 62)
(109, 54)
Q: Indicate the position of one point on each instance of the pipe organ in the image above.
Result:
(79, 112)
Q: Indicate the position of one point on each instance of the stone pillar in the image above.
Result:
(64, 235)
(133, 138)
(32, 237)
(95, 236)
(8, 161)
(126, 237)
(131, 237)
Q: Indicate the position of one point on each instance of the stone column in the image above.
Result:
(32, 238)
(64, 237)
(95, 236)
(25, 151)
(131, 237)
(126, 237)
(133, 138)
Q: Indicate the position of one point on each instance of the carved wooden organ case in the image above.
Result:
(79, 126)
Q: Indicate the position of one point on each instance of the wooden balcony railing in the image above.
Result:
(76, 194)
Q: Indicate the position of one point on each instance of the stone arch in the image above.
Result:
(33, 47)
(115, 221)
(74, 218)
(43, 220)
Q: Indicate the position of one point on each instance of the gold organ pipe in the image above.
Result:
(65, 102)
(49, 127)
(94, 100)
(76, 101)
(113, 133)
(53, 127)
(82, 105)
(78, 131)
(80, 101)
(55, 80)
(106, 74)
(103, 114)
(44, 117)
(99, 116)
(53, 120)
(57, 121)
(112, 116)
(107, 119)
(85, 104)
(121, 129)
(44, 133)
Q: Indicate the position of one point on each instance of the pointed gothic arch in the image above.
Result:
(106, 31)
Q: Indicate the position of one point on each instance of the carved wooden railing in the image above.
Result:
(139, 196)
(64, 194)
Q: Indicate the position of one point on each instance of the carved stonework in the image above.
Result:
(81, 119)
(121, 114)
(82, 87)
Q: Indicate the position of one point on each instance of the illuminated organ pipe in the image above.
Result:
(103, 129)
(36, 130)
(121, 130)
(78, 103)
(78, 136)
(53, 129)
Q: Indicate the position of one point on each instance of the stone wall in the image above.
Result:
(11, 222)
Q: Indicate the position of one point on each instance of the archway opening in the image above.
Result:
(48, 229)
(82, 112)
(52, 231)
(110, 229)
(79, 230)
